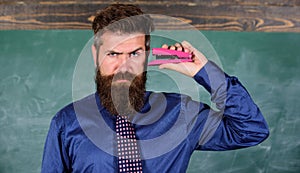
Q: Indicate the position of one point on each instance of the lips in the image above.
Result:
(121, 81)
(123, 77)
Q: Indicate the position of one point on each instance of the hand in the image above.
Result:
(187, 68)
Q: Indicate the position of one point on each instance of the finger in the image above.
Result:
(180, 67)
(179, 47)
(170, 66)
(186, 50)
(188, 46)
(172, 47)
(165, 46)
(193, 49)
(199, 58)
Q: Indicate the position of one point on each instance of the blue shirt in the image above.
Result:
(169, 128)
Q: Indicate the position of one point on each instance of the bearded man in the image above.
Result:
(124, 128)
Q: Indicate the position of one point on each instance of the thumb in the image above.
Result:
(183, 68)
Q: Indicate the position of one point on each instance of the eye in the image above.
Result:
(134, 54)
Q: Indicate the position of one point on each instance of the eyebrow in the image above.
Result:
(119, 53)
(140, 48)
(114, 52)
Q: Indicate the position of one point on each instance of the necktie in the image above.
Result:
(129, 159)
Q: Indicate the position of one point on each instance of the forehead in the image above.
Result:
(113, 41)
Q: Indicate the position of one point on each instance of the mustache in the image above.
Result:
(123, 76)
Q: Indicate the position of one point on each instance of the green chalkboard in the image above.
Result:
(38, 77)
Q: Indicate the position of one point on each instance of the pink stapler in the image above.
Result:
(164, 56)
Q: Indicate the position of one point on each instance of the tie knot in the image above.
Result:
(119, 117)
(123, 119)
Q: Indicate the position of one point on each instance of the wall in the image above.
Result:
(36, 80)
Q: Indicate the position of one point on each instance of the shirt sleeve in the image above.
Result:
(55, 157)
(237, 123)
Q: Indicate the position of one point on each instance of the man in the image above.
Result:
(85, 136)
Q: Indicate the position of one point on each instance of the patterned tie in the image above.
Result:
(129, 159)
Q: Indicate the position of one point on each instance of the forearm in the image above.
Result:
(241, 123)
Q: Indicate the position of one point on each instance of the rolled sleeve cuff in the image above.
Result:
(211, 77)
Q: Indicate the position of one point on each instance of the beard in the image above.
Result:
(123, 98)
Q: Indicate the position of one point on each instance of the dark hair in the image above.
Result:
(122, 18)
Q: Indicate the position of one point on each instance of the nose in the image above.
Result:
(123, 63)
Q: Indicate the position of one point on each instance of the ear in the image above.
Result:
(94, 52)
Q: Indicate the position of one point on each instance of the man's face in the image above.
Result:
(120, 75)
(122, 53)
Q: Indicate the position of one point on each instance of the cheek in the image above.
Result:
(138, 66)
(106, 67)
